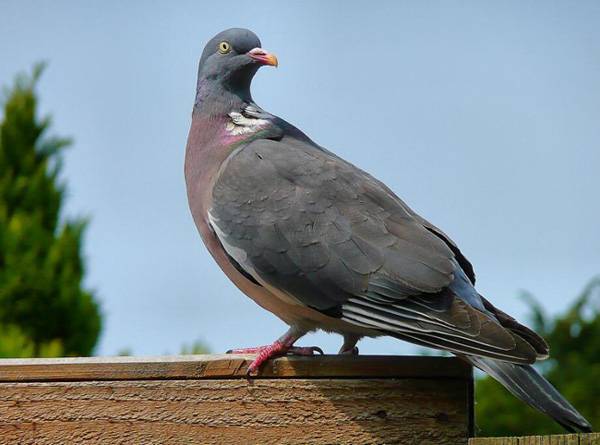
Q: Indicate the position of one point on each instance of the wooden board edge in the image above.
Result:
(231, 366)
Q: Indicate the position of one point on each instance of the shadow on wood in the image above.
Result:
(207, 399)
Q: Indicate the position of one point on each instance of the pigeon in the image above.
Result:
(324, 245)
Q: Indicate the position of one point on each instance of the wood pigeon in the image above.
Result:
(324, 245)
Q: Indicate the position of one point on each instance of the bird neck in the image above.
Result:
(218, 97)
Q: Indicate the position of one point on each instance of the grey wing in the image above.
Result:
(331, 237)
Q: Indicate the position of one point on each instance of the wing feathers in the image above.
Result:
(299, 219)
(480, 335)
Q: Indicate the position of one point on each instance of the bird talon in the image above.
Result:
(265, 353)
(304, 351)
(351, 351)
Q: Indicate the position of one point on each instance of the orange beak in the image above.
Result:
(263, 57)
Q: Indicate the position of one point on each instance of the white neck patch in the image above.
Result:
(241, 124)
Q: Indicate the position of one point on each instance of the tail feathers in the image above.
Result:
(524, 382)
(531, 337)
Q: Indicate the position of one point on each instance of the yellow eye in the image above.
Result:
(224, 47)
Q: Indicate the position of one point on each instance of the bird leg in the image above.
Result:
(282, 346)
(349, 347)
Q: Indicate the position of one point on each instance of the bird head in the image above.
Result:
(230, 60)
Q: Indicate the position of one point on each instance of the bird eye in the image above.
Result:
(224, 47)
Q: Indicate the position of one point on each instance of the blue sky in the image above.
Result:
(483, 116)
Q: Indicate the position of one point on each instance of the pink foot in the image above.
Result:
(270, 351)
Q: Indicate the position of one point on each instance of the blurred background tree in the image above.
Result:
(197, 347)
(44, 309)
(573, 367)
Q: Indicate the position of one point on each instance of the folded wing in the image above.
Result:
(331, 237)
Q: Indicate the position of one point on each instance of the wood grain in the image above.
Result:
(229, 366)
(558, 439)
(309, 411)
(203, 400)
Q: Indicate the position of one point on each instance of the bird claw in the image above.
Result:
(264, 353)
(304, 350)
(353, 351)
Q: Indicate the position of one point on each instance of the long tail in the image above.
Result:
(525, 383)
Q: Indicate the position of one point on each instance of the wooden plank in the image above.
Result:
(218, 411)
(493, 441)
(230, 366)
(558, 439)
(589, 439)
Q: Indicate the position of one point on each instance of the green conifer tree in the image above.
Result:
(44, 310)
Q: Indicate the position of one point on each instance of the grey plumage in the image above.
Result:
(324, 245)
(306, 222)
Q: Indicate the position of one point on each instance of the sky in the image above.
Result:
(483, 116)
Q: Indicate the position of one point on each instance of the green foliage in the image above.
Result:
(14, 343)
(197, 347)
(125, 352)
(43, 308)
(574, 368)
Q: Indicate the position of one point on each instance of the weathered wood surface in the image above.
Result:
(559, 439)
(207, 400)
(224, 366)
